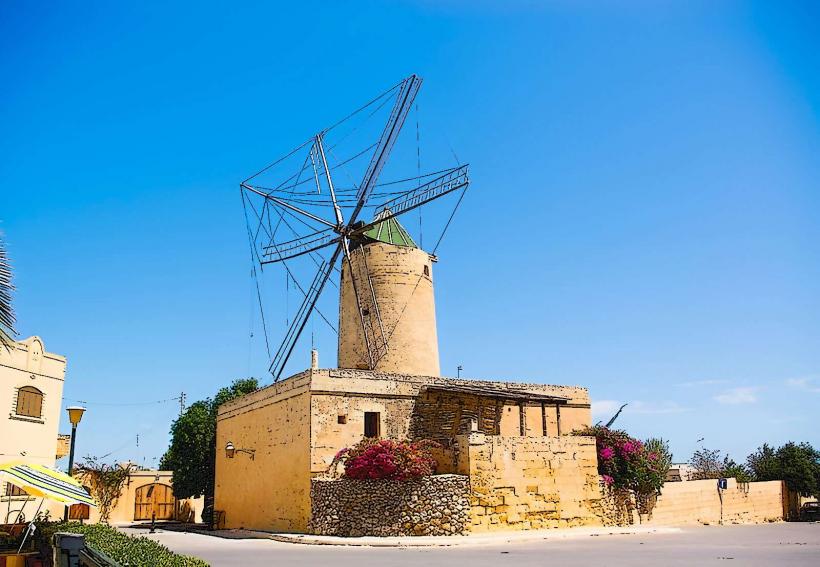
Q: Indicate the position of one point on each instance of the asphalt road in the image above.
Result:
(769, 544)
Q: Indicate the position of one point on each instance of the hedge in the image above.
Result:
(129, 551)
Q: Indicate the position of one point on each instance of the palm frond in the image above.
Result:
(7, 319)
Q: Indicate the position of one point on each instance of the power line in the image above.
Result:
(86, 402)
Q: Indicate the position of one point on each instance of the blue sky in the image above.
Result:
(643, 219)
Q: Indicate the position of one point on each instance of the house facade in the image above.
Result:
(31, 391)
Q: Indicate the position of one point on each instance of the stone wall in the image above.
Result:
(521, 483)
(434, 505)
(700, 502)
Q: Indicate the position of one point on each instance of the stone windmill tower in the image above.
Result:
(387, 319)
(398, 316)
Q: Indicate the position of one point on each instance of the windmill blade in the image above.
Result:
(279, 361)
(404, 101)
(451, 181)
(273, 252)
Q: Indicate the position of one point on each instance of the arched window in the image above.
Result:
(29, 401)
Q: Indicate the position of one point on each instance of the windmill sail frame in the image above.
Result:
(340, 233)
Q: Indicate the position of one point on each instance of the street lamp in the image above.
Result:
(75, 414)
(231, 450)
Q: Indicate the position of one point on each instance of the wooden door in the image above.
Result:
(154, 499)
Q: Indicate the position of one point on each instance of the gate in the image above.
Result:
(154, 499)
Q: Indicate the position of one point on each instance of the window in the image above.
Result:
(372, 424)
(29, 401)
(426, 270)
(341, 420)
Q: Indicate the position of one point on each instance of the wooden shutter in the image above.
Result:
(29, 402)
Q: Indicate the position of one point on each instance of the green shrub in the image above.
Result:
(127, 550)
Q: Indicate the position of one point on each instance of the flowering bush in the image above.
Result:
(626, 463)
(387, 459)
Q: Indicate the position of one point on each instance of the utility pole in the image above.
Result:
(181, 402)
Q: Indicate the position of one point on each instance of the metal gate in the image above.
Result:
(153, 499)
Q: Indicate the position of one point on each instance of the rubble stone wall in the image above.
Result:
(434, 505)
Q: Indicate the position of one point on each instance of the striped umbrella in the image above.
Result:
(42, 482)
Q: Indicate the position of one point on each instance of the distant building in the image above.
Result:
(146, 495)
(679, 472)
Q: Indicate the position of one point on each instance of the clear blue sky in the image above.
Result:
(643, 218)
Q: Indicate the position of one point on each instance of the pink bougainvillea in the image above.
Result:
(625, 463)
(388, 459)
(631, 447)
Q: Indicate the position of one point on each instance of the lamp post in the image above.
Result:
(75, 414)
(231, 450)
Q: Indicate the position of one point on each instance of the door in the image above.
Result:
(154, 499)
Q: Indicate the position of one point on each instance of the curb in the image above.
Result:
(498, 538)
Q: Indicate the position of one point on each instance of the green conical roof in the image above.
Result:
(390, 231)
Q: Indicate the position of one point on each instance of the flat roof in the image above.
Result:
(499, 393)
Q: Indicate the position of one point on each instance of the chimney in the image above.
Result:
(314, 359)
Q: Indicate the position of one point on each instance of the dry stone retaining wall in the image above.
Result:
(434, 505)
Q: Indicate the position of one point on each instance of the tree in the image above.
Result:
(738, 471)
(708, 463)
(764, 464)
(660, 447)
(7, 318)
(192, 453)
(104, 481)
(797, 464)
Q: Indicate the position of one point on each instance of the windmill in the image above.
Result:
(327, 223)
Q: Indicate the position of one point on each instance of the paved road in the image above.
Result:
(728, 546)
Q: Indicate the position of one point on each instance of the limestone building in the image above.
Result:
(291, 431)
(31, 391)
(283, 436)
(507, 456)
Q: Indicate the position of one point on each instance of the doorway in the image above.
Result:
(153, 499)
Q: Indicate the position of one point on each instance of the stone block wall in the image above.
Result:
(700, 502)
(521, 483)
(434, 505)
